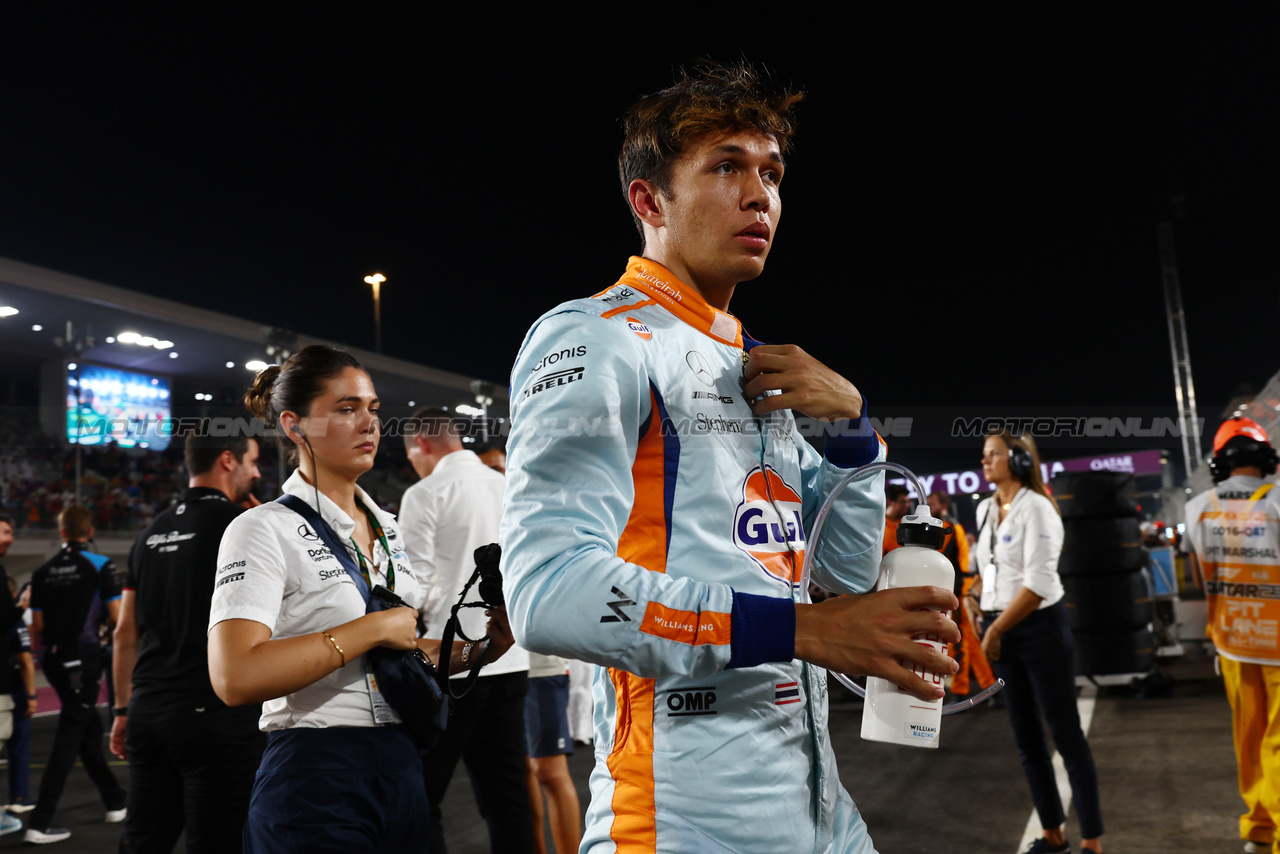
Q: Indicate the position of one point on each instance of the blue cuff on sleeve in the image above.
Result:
(850, 444)
(764, 629)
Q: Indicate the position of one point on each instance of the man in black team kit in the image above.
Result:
(73, 593)
(191, 759)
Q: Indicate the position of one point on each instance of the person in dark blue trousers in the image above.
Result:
(1027, 639)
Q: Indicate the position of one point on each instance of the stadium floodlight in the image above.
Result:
(376, 280)
(111, 339)
(146, 341)
(256, 365)
(466, 409)
(71, 366)
(35, 327)
(231, 364)
(173, 355)
(415, 403)
(163, 345)
(7, 311)
(128, 337)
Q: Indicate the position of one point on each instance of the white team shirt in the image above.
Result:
(1028, 545)
(274, 569)
(445, 517)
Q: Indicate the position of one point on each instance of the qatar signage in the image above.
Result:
(958, 482)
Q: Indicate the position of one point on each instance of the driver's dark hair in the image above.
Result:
(714, 98)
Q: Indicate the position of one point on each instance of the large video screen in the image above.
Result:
(127, 408)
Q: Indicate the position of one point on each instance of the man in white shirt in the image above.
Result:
(454, 509)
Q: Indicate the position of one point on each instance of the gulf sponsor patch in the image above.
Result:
(639, 328)
(769, 531)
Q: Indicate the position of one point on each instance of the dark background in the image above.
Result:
(971, 206)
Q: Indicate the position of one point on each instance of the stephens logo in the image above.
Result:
(759, 530)
(639, 328)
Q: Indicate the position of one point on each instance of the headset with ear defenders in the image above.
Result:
(1020, 463)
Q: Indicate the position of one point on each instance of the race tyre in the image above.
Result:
(1101, 547)
(1095, 494)
(1107, 653)
(1108, 603)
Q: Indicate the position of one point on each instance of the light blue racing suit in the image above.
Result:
(655, 527)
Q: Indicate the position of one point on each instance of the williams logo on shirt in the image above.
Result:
(769, 525)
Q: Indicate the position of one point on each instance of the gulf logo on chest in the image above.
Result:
(767, 537)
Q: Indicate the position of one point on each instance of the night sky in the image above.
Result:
(970, 209)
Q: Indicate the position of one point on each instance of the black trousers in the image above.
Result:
(486, 731)
(189, 769)
(1037, 663)
(79, 733)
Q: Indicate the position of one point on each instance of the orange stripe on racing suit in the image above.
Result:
(644, 539)
(644, 543)
(634, 829)
(632, 307)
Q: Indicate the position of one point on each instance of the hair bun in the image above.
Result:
(258, 398)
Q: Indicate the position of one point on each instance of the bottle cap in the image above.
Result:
(922, 530)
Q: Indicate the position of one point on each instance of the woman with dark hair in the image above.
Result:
(289, 628)
(1027, 637)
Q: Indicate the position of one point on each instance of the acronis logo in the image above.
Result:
(771, 531)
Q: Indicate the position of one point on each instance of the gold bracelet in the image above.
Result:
(341, 654)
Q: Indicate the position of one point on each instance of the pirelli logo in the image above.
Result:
(235, 576)
(554, 380)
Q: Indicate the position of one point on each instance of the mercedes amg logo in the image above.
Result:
(698, 365)
(307, 534)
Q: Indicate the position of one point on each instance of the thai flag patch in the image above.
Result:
(787, 692)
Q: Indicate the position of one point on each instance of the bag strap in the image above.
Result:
(330, 539)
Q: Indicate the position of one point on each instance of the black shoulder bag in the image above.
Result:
(406, 677)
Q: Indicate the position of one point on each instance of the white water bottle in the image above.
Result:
(890, 714)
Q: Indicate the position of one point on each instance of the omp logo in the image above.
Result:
(639, 328)
(759, 530)
(690, 702)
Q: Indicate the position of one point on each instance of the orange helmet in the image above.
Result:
(1241, 442)
(1238, 426)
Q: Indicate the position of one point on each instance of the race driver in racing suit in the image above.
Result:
(659, 496)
